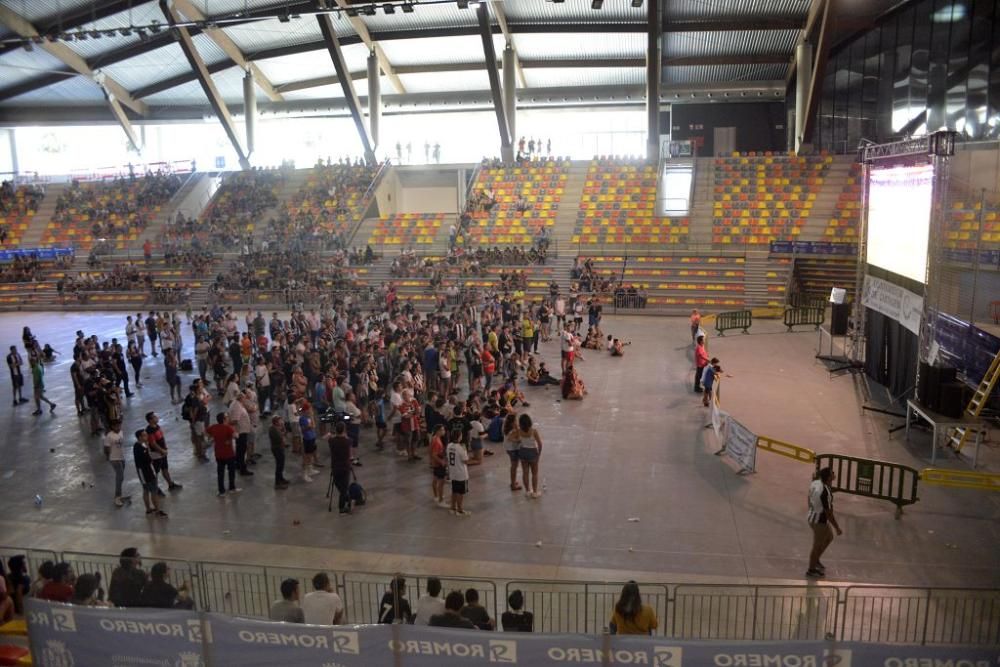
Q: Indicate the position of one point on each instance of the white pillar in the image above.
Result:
(374, 99)
(249, 110)
(510, 92)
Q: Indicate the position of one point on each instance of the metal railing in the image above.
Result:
(720, 612)
(367, 202)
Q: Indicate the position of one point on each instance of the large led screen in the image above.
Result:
(899, 217)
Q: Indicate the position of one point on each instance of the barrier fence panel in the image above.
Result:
(556, 605)
(964, 617)
(238, 590)
(880, 480)
(737, 319)
(275, 575)
(810, 316)
(181, 571)
(754, 612)
(362, 593)
(601, 600)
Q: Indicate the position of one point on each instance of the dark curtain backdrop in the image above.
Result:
(890, 354)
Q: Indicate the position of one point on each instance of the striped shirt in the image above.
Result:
(820, 502)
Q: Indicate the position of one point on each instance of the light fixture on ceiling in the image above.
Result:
(352, 12)
(28, 46)
(407, 8)
(81, 36)
(125, 32)
(389, 8)
(283, 16)
(637, 3)
(154, 27)
(96, 34)
(596, 4)
(462, 4)
(369, 10)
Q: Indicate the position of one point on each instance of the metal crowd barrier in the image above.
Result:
(811, 316)
(880, 480)
(721, 612)
(736, 319)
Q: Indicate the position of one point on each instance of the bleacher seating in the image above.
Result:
(962, 227)
(843, 226)
(541, 183)
(618, 206)
(759, 199)
(407, 229)
(118, 210)
(313, 207)
(690, 280)
(234, 210)
(17, 207)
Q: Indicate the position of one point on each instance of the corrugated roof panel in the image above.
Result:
(20, 65)
(438, 50)
(536, 46)
(314, 64)
(323, 92)
(74, 90)
(93, 48)
(726, 43)
(722, 73)
(445, 81)
(542, 11)
(734, 9)
(260, 35)
(547, 77)
(189, 93)
(162, 63)
(42, 11)
(446, 15)
(209, 51)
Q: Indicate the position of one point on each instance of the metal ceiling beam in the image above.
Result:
(36, 83)
(490, 59)
(805, 36)
(383, 60)
(79, 16)
(729, 25)
(530, 98)
(505, 31)
(822, 54)
(229, 47)
(205, 79)
(70, 58)
(344, 76)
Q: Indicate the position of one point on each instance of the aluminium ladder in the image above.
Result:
(957, 437)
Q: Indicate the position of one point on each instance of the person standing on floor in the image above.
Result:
(140, 334)
(821, 520)
(158, 451)
(38, 382)
(151, 332)
(14, 363)
(340, 465)
(223, 435)
(115, 455)
(458, 471)
(147, 475)
(240, 419)
(276, 435)
(695, 324)
(700, 361)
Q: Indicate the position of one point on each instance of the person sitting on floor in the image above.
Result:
(573, 388)
(618, 348)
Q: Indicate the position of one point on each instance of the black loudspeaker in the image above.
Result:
(930, 382)
(840, 313)
(951, 403)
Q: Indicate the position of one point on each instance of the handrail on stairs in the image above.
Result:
(366, 200)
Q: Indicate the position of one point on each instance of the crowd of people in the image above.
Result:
(17, 202)
(21, 270)
(288, 270)
(116, 207)
(242, 199)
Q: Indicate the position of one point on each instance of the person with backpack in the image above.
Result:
(340, 465)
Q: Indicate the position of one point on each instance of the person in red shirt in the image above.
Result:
(489, 366)
(700, 361)
(439, 467)
(147, 249)
(223, 435)
(60, 587)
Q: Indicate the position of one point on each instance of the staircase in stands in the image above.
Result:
(294, 180)
(569, 206)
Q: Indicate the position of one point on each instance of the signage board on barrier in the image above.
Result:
(894, 302)
(75, 636)
(70, 636)
(740, 444)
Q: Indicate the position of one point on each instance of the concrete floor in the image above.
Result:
(635, 448)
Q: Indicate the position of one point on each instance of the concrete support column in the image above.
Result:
(653, 69)
(374, 99)
(510, 91)
(249, 110)
(12, 141)
(803, 77)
